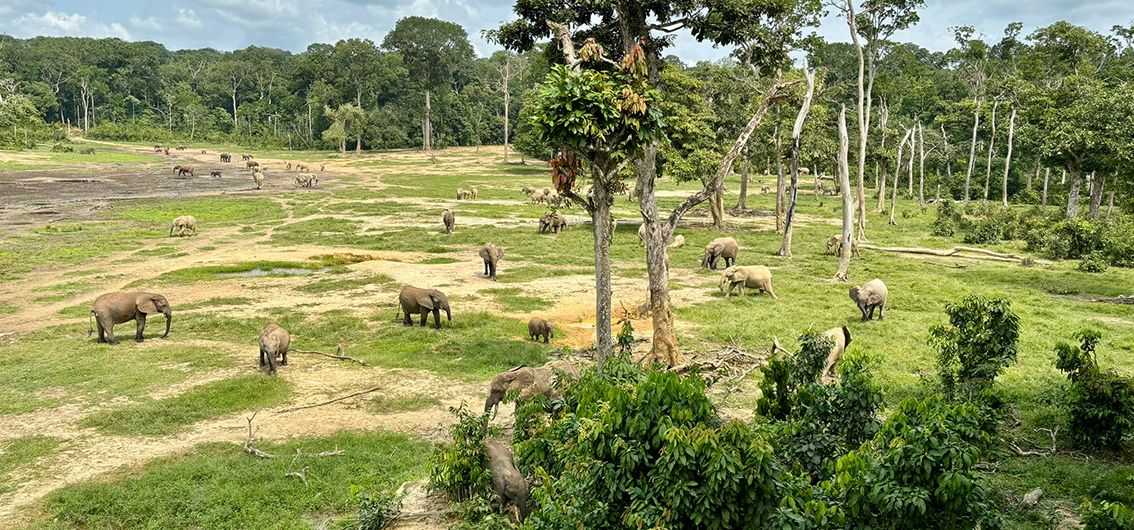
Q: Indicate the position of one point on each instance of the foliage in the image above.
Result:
(976, 346)
(1107, 516)
(1100, 403)
(1093, 262)
(459, 467)
(376, 511)
(948, 217)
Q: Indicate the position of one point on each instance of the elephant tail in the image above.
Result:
(90, 330)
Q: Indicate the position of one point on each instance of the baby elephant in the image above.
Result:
(274, 342)
(751, 277)
(552, 222)
(870, 296)
(182, 224)
(491, 254)
(538, 327)
(720, 248)
(449, 220)
(510, 485)
(678, 241)
(835, 246)
(842, 339)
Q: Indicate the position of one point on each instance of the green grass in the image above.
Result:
(218, 485)
(169, 415)
(438, 260)
(512, 299)
(252, 269)
(81, 243)
(209, 211)
(348, 284)
(21, 453)
(8, 309)
(42, 157)
(383, 404)
(216, 302)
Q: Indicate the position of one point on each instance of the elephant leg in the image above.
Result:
(283, 358)
(141, 324)
(881, 311)
(408, 321)
(271, 362)
(110, 334)
(436, 318)
(546, 338)
(263, 357)
(493, 264)
(424, 317)
(101, 332)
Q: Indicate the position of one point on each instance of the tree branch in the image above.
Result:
(561, 32)
(328, 402)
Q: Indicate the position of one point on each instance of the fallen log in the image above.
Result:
(338, 357)
(960, 252)
(329, 401)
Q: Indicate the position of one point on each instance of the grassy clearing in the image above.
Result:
(512, 299)
(217, 302)
(220, 486)
(42, 157)
(209, 211)
(347, 284)
(394, 404)
(8, 309)
(251, 269)
(74, 244)
(23, 452)
(169, 415)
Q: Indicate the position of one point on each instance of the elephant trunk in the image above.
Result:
(448, 314)
(168, 321)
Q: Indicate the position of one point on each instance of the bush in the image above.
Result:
(948, 218)
(376, 511)
(1093, 262)
(1107, 516)
(1100, 404)
(1073, 238)
(1118, 241)
(976, 346)
(459, 467)
(985, 230)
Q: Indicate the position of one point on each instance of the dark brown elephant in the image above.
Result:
(274, 342)
(415, 300)
(539, 328)
(491, 254)
(510, 485)
(449, 220)
(117, 308)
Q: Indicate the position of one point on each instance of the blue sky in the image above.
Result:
(293, 24)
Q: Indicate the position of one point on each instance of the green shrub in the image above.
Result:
(1093, 262)
(62, 148)
(376, 511)
(985, 230)
(976, 346)
(948, 218)
(1073, 238)
(1100, 403)
(1118, 241)
(458, 467)
(1107, 516)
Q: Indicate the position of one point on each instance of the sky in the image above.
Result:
(293, 24)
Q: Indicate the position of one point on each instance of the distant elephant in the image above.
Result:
(721, 247)
(157, 148)
(872, 295)
(258, 178)
(246, 157)
(274, 341)
(678, 241)
(215, 173)
(117, 308)
(491, 254)
(204, 152)
(835, 245)
(472, 194)
(841, 339)
(538, 327)
(181, 148)
(225, 157)
(642, 234)
(251, 164)
(181, 171)
(750, 277)
(449, 220)
(510, 485)
(182, 224)
(552, 222)
(415, 300)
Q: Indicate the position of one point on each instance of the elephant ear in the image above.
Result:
(425, 300)
(739, 275)
(145, 303)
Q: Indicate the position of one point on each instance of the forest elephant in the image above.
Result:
(182, 224)
(415, 300)
(510, 485)
(540, 328)
(216, 173)
(258, 178)
(449, 220)
(720, 248)
(274, 342)
(472, 194)
(552, 222)
(183, 170)
(870, 296)
(491, 254)
(678, 242)
(251, 164)
(225, 157)
(117, 308)
(835, 245)
(841, 339)
(528, 382)
(747, 277)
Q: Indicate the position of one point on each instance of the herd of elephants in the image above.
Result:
(117, 308)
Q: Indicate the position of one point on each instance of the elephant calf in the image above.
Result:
(720, 248)
(415, 300)
(491, 254)
(751, 277)
(540, 328)
(510, 485)
(449, 220)
(528, 382)
(842, 339)
(117, 308)
(274, 342)
(870, 296)
(552, 222)
(182, 224)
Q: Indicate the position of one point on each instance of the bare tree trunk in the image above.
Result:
(909, 180)
(1008, 156)
(880, 176)
(427, 127)
(796, 134)
(1110, 205)
(972, 153)
(1063, 177)
(1046, 178)
(991, 144)
(779, 178)
(1073, 193)
(947, 153)
(1031, 178)
(921, 165)
(235, 120)
(742, 200)
(1097, 195)
(848, 203)
(507, 106)
(898, 173)
(852, 24)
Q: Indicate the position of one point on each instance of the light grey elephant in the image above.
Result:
(117, 308)
(415, 300)
(182, 224)
(274, 342)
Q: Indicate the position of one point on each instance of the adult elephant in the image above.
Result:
(415, 300)
(491, 254)
(117, 308)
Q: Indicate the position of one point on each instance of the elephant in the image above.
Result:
(302, 168)
(835, 245)
(225, 157)
(721, 247)
(527, 191)
(538, 327)
(527, 381)
(251, 164)
(539, 196)
(751, 277)
(449, 220)
(491, 254)
(423, 301)
(182, 170)
(117, 308)
(870, 296)
(157, 148)
(246, 157)
(463, 194)
(215, 173)
(472, 194)
(552, 222)
(181, 148)
(274, 341)
(678, 242)
(204, 152)
(182, 224)
(510, 485)
(842, 339)
(258, 178)
(642, 235)
(166, 149)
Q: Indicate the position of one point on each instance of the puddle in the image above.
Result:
(278, 271)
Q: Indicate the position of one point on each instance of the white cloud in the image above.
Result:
(188, 18)
(150, 23)
(65, 24)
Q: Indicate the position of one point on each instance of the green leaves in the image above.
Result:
(976, 346)
(1100, 404)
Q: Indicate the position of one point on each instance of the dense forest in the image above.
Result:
(1026, 117)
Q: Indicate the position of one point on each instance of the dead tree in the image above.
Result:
(796, 133)
(1008, 157)
(848, 202)
(991, 145)
(898, 172)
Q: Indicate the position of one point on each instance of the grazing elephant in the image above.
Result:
(246, 157)
(678, 242)
(181, 171)
(215, 173)
(538, 327)
(527, 381)
(274, 341)
(491, 254)
(750, 277)
(870, 296)
(182, 224)
(157, 148)
(552, 222)
(842, 339)
(225, 157)
(258, 178)
(527, 191)
(835, 245)
(423, 301)
(117, 308)
(181, 148)
(251, 164)
(721, 247)
(449, 220)
(510, 485)
(472, 194)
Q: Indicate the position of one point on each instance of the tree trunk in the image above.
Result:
(991, 145)
(601, 223)
(235, 121)
(852, 23)
(848, 203)
(742, 200)
(1030, 177)
(921, 165)
(898, 173)
(1109, 204)
(946, 152)
(796, 134)
(1008, 156)
(909, 179)
(972, 153)
(880, 176)
(426, 127)
(507, 103)
(1073, 193)
(1097, 194)
(779, 178)
(1046, 178)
